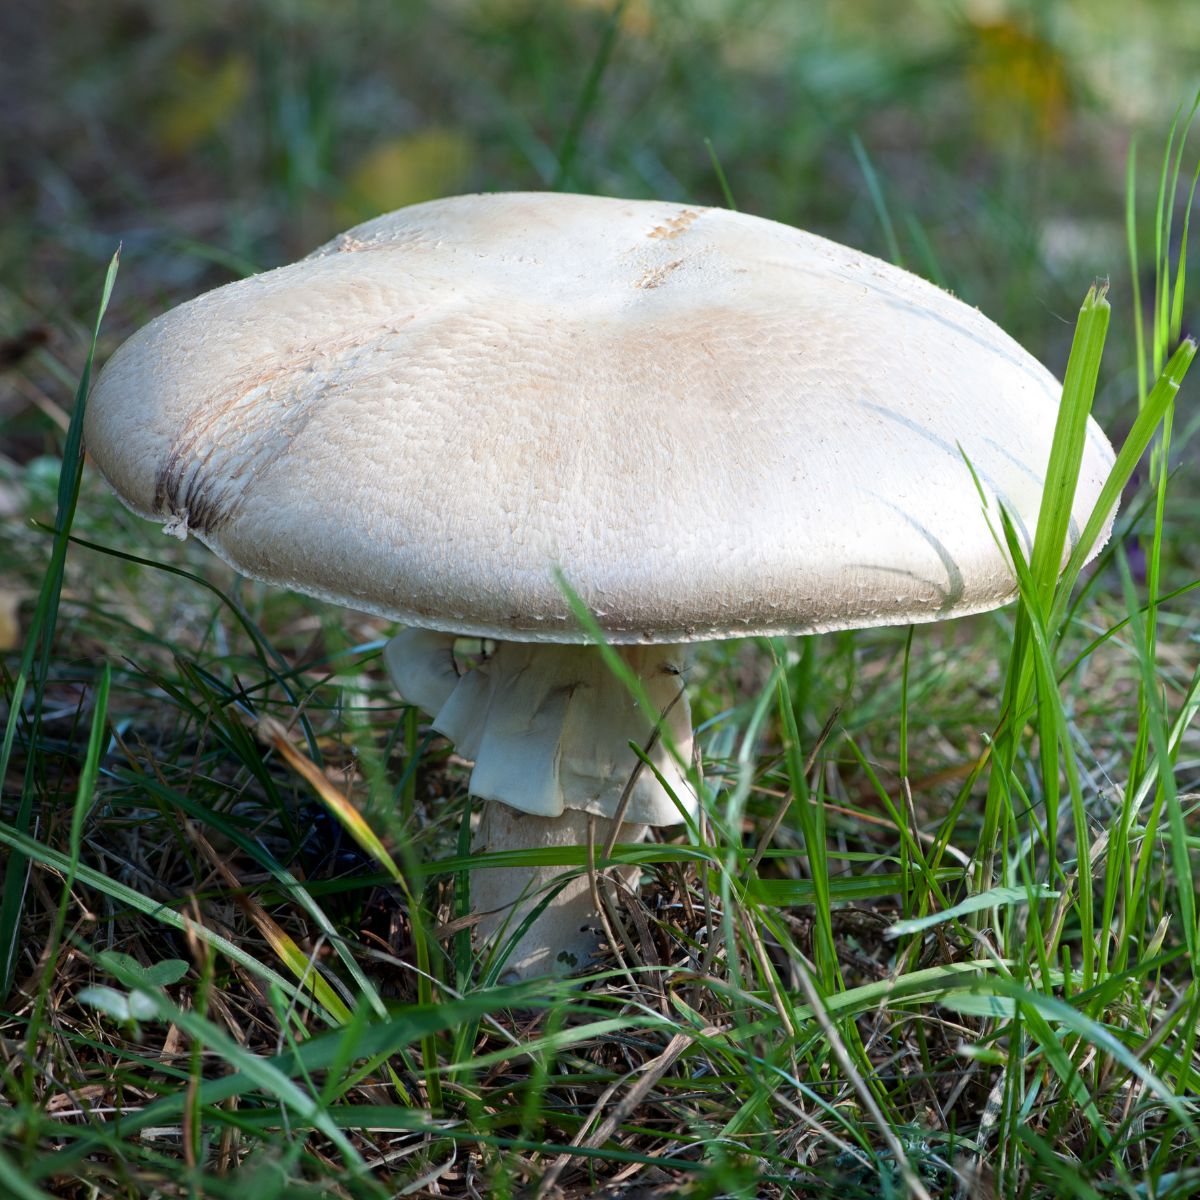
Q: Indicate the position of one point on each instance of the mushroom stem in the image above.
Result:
(550, 729)
(566, 934)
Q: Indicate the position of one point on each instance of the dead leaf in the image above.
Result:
(1020, 82)
(10, 624)
(204, 98)
(406, 170)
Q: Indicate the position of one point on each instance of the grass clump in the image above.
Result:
(210, 983)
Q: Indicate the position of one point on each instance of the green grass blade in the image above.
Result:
(31, 848)
(1139, 321)
(16, 1184)
(1185, 893)
(377, 1041)
(35, 660)
(719, 171)
(84, 798)
(1161, 396)
(261, 1073)
(588, 97)
(1070, 438)
(878, 200)
(1000, 897)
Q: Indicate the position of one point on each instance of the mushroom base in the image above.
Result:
(567, 933)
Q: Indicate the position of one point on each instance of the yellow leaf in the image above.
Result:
(286, 949)
(406, 170)
(636, 18)
(204, 98)
(273, 733)
(1019, 80)
(10, 625)
(284, 946)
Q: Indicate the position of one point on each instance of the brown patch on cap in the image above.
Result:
(676, 225)
(654, 277)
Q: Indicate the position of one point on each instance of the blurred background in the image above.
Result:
(981, 143)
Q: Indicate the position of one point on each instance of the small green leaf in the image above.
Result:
(170, 970)
(121, 1006)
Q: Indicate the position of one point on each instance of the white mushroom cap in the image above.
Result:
(712, 424)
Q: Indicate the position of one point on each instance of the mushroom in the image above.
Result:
(707, 424)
